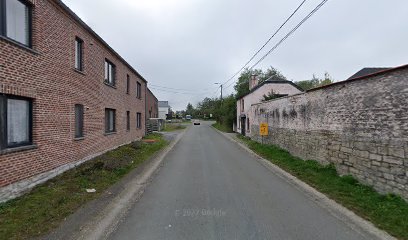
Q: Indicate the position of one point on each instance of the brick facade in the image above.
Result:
(360, 125)
(152, 107)
(46, 74)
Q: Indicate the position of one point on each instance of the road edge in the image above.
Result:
(105, 222)
(347, 216)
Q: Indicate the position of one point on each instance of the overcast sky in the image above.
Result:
(191, 44)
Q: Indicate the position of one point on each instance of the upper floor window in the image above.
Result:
(78, 54)
(139, 90)
(127, 84)
(15, 20)
(16, 116)
(109, 73)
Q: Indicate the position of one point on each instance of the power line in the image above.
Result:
(180, 89)
(290, 33)
(266, 43)
(184, 93)
(286, 36)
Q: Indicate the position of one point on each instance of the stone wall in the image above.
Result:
(360, 125)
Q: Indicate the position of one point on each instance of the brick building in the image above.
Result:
(65, 95)
(152, 107)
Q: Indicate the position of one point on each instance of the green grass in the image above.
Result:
(170, 127)
(46, 206)
(387, 212)
(223, 128)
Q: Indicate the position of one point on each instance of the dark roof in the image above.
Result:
(272, 81)
(93, 33)
(367, 71)
(361, 77)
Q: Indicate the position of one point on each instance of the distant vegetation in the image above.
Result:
(315, 82)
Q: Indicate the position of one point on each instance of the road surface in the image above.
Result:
(209, 188)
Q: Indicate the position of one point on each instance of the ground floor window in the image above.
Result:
(127, 121)
(139, 120)
(16, 116)
(248, 124)
(110, 120)
(79, 120)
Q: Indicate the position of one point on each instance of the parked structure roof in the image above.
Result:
(367, 71)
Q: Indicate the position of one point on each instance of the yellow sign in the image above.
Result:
(263, 129)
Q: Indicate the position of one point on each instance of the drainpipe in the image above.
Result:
(145, 108)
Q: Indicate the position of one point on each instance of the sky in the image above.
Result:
(183, 47)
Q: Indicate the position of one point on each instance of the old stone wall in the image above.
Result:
(361, 126)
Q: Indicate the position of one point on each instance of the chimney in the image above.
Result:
(253, 82)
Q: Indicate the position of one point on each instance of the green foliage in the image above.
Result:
(388, 212)
(315, 82)
(271, 95)
(242, 85)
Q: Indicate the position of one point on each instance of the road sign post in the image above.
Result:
(263, 130)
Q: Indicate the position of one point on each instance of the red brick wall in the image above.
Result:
(47, 75)
(152, 105)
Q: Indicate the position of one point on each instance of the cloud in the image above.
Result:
(191, 44)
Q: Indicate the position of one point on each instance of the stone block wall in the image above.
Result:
(361, 126)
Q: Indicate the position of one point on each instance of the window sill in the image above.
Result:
(20, 45)
(110, 133)
(79, 71)
(17, 149)
(109, 85)
(79, 138)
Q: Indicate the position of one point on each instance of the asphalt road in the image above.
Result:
(209, 188)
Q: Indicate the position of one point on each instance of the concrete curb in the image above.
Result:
(119, 207)
(106, 221)
(343, 214)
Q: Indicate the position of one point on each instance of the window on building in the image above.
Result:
(139, 120)
(109, 73)
(16, 116)
(248, 125)
(78, 54)
(128, 121)
(242, 105)
(79, 121)
(110, 120)
(139, 90)
(127, 83)
(15, 20)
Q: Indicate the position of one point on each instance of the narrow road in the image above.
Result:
(209, 188)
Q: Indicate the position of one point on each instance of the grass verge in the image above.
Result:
(45, 207)
(387, 212)
(170, 127)
(223, 128)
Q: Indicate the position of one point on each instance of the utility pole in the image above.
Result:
(221, 89)
(221, 92)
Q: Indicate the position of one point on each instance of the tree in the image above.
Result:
(242, 86)
(190, 109)
(315, 82)
(271, 95)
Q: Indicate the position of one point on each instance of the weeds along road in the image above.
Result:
(209, 188)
